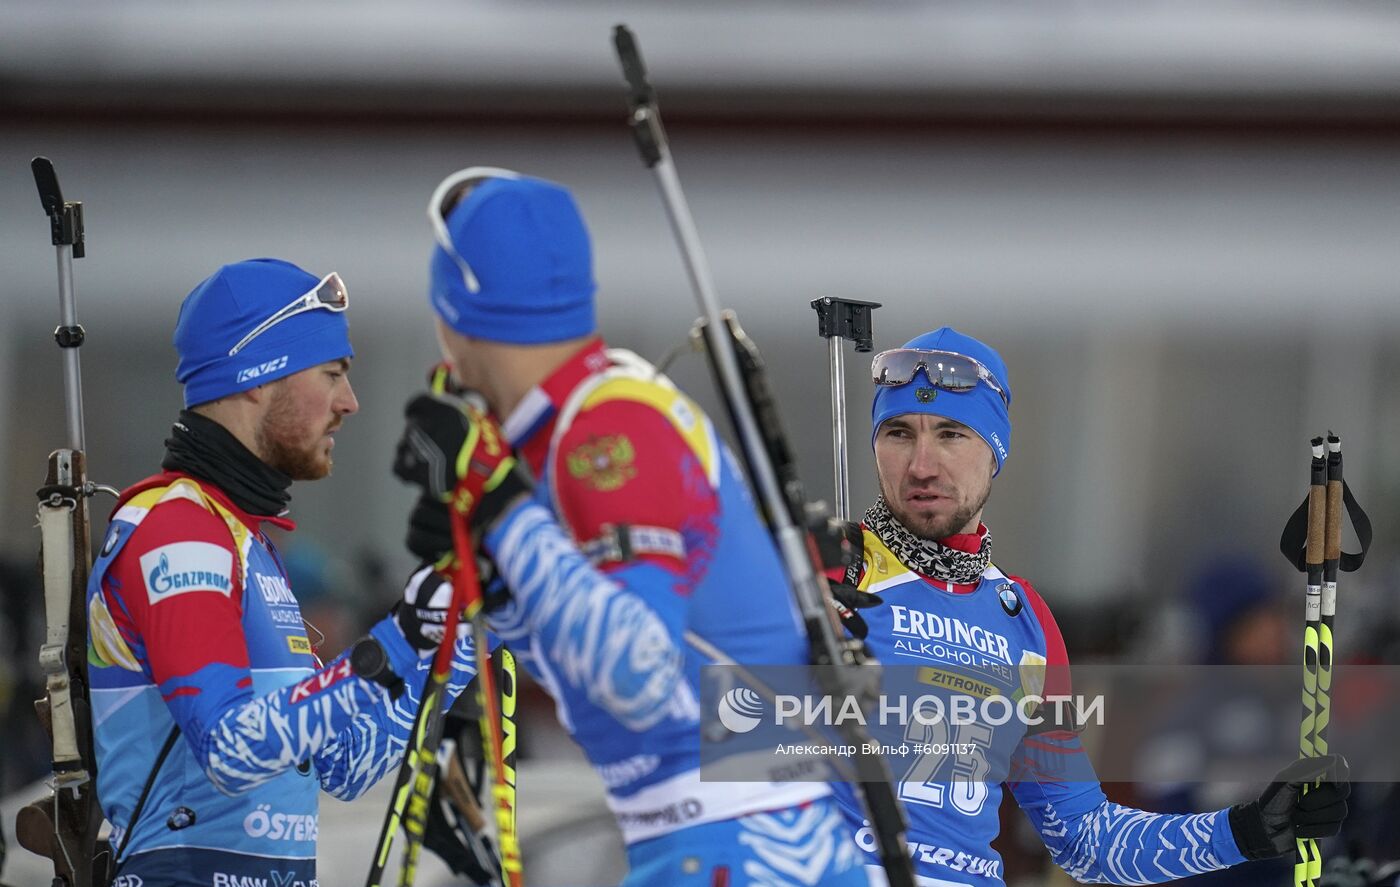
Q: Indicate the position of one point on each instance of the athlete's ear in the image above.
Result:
(260, 393)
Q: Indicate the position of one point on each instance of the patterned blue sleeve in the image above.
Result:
(1098, 842)
(358, 756)
(349, 727)
(606, 637)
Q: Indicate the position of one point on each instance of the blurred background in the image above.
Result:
(1178, 221)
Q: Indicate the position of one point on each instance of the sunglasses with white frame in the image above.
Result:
(444, 198)
(329, 294)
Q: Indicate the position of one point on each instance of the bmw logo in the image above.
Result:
(1010, 600)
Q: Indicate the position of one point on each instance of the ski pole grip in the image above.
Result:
(1317, 508)
(1332, 545)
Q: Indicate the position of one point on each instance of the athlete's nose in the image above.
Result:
(347, 404)
(925, 462)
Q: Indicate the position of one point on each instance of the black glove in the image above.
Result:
(429, 530)
(1271, 825)
(457, 455)
(839, 542)
(849, 599)
(422, 614)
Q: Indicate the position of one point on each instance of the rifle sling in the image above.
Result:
(146, 791)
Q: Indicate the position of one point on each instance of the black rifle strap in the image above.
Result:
(146, 791)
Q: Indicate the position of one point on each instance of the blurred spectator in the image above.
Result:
(1237, 608)
(330, 602)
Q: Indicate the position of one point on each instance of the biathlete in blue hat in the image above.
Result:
(631, 473)
(216, 724)
(948, 619)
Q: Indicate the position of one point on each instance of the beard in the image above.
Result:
(933, 526)
(281, 439)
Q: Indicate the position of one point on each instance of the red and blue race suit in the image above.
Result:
(191, 623)
(998, 637)
(632, 473)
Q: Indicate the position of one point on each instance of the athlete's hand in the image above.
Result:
(457, 455)
(422, 614)
(848, 600)
(429, 535)
(1284, 813)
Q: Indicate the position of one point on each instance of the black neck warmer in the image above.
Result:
(203, 448)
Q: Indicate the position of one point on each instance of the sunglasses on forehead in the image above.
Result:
(445, 196)
(945, 369)
(329, 294)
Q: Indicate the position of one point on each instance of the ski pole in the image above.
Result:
(1331, 543)
(771, 469)
(1327, 605)
(1312, 542)
(497, 711)
(413, 787)
(427, 730)
(839, 319)
(1307, 863)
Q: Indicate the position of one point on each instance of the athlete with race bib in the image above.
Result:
(952, 621)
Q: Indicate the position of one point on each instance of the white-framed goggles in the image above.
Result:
(945, 369)
(445, 197)
(329, 294)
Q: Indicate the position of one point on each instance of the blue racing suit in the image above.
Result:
(631, 472)
(997, 637)
(191, 623)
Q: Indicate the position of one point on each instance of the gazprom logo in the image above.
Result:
(262, 369)
(187, 566)
(740, 710)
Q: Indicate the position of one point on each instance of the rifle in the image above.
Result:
(842, 669)
(64, 825)
(839, 319)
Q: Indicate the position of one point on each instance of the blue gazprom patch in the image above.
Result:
(183, 567)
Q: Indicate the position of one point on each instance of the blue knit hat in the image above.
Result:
(229, 305)
(980, 409)
(529, 274)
